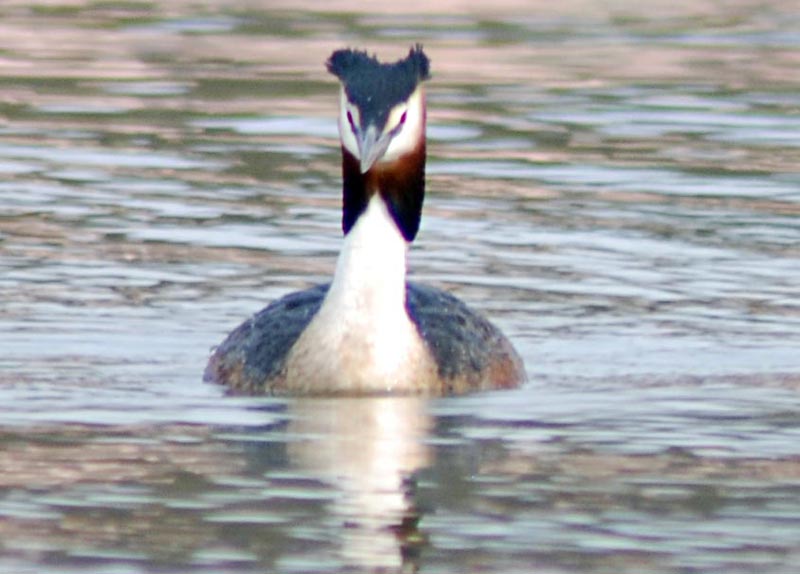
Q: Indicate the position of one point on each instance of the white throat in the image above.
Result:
(371, 269)
(361, 339)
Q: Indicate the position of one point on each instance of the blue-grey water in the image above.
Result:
(617, 185)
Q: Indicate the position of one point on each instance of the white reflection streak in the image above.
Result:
(368, 446)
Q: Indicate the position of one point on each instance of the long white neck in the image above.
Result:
(362, 339)
(371, 269)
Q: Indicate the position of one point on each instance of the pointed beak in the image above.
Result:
(371, 147)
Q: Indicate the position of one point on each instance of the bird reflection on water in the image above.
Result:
(369, 448)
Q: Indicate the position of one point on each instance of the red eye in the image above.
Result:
(403, 118)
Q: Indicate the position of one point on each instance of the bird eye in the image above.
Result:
(350, 120)
(403, 118)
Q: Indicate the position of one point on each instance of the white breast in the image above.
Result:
(362, 339)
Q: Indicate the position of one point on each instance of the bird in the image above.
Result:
(371, 331)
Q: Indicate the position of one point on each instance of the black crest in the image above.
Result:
(375, 87)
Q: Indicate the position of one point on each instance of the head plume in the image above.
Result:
(377, 87)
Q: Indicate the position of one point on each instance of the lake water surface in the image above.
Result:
(617, 185)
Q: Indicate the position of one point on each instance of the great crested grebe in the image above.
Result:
(370, 331)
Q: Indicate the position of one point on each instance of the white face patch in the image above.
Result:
(407, 123)
(349, 120)
(404, 128)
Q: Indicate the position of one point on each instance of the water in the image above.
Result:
(615, 185)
